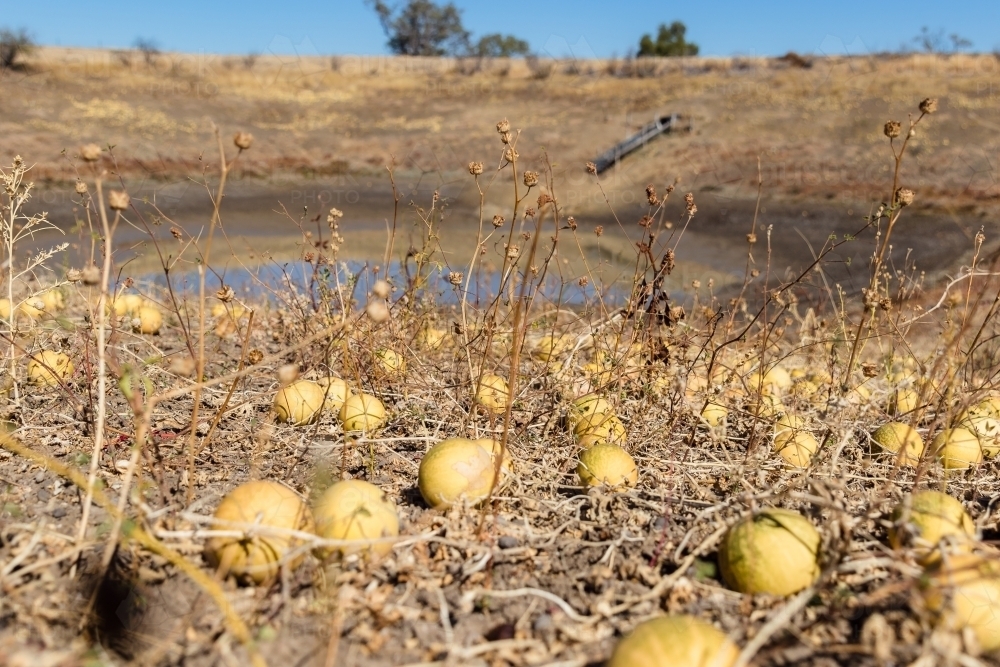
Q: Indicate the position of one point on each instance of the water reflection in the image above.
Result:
(268, 280)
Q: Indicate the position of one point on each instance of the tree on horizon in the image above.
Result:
(670, 42)
(423, 28)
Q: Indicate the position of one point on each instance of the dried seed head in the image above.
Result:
(334, 215)
(531, 178)
(74, 275)
(598, 230)
(892, 129)
(591, 168)
(510, 154)
(583, 281)
(381, 289)
(81, 188)
(503, 126)
(498, 220)
(696, 284)
(571, 222)
(544, 199)
(751, 238)
(243, 140)
(254, 357)
(377, 311)
(651, 195)
(529, 212)
(177, 233)
(288, 374)
(225, 294)
(475, 168)
(91, 275)
(689, 203)
(505, 137)
(869, 298)
(903, 197)
(929, 105)
(513, 252)
(118, 200)
(455, 278)
(90, 152)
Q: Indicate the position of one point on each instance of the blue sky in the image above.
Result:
(585, 27)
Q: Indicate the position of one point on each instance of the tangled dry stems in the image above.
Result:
(544, 573)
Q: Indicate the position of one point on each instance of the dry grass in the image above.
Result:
(816, 127)
(544, 573)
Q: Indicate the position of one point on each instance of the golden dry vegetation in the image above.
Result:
(816, 129)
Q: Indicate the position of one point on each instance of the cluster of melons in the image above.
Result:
(552, 346)
(777, 552)
(389, 364)
(48, 368)
(609, 367)
(302, 401)
(711, 407)
(802, 386)
(460, 470)
(773, 381)
(227, 318)
(600, 434)
(710, 397)
(492, 394)
(901, 441)
(795, 445)
(774, 551)
(144, 314)
(961, 583)
(675, 641)
(904, 394)
(609, 360)
(272, 524)
(774, 388)
(932, 522)
(50, 301)
(432, 337)
(976, 435)
(983, 420)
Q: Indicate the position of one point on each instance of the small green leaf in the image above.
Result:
(705, 570)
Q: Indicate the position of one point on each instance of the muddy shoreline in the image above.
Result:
(266, 220)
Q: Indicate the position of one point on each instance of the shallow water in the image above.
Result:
(264, 281)
(263, 237)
